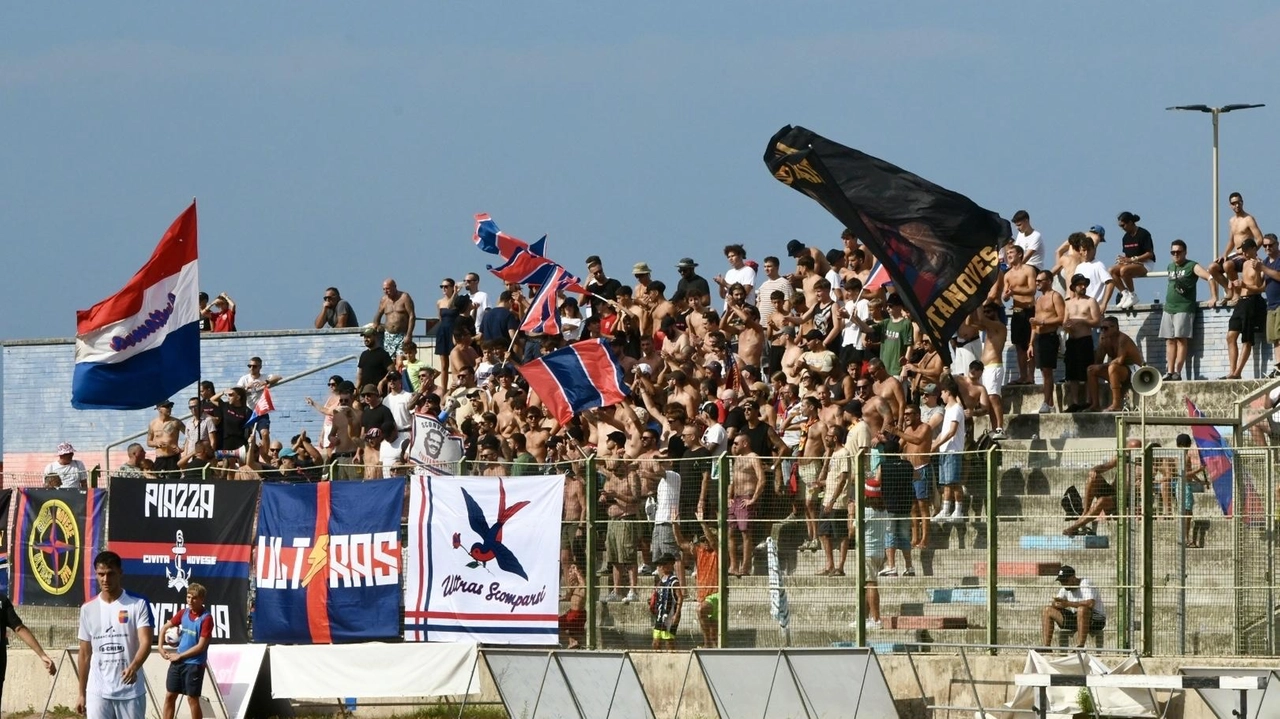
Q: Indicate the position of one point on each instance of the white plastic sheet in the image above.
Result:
(372, 670)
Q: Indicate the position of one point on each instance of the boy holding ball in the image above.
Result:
(187, 656)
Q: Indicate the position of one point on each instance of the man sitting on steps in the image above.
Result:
(1077, 608)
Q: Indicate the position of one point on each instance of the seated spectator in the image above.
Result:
(1116, 359)
(1077, 608)
(133, 467)
(335, 311)
(70, 471)
(1138, 257)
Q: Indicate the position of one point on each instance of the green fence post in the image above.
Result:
(993, 548)
(860, 518)
(592, 492)
(722, 546)
(1148, 551)
(1124, 629)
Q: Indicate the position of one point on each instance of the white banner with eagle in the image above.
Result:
(484, 559)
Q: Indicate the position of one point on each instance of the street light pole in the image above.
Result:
(1215, 112)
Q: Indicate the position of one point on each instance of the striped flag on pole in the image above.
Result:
(544, 314)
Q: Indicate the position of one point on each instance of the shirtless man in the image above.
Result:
(917, 443)
(1083, 314)
(464, 355)
(987, 319)
(1225, 270)
(395, 313)
(1020, 287)
(1115, 359)
(751, 336)
(621, 493)
(973, 396)
(573, 622)
(346, 437)
(162, 436)
(538, 430)
(744, 489)
(889, 398)
(813, 453)
(806, 279)
(1049, 315)
(573, 520)
(1250, 311)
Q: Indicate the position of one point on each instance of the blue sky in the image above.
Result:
(340, 144)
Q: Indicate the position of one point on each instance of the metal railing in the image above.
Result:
(106, 451)
(1175, 572)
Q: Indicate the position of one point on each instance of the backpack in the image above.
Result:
(653, 603)
(1072, 503)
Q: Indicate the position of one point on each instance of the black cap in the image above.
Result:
(166, 403)
(795, 248)
(665, 558)
(814, 335)
(1066, 571)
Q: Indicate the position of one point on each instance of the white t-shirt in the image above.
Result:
(389, 455)
(1098, 278)
(73, 475)
(1082, 593)
(953, 413)
(717, 437)
(668, 497)
(480, 300)
(1031, 248)
(398, 403)
(852, 335)
(744, 276)
(833, 276)
(253, 388)
(111, 628)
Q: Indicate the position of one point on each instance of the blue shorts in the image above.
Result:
(921, 481)
(1188, 496)
(950, 470)
(185, 679)
(898, 534)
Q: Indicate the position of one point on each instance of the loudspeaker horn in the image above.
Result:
(1147, 381)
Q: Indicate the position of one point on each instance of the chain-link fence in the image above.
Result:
(870, 550)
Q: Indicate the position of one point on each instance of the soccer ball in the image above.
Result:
(171, 636)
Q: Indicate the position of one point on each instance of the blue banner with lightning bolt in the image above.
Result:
(328, 562)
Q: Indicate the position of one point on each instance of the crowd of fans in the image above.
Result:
(792, 370)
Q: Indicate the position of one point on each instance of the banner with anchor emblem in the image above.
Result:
(58, 533)
(171, 534)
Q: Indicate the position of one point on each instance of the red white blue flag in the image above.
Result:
(576, 378)
(877, 278)
(140, 346)
(544, 312)
(496, 242)
(261, 408)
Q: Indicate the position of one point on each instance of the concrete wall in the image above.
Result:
(37, 392)
(1207, 358)
(666, 675)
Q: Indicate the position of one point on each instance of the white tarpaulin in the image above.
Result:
(484, 559)
(373, 670)
(1064, 702)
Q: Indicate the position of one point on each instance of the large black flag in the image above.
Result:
(938, 246)
(171, 534)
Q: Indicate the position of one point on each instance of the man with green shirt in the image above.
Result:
(1179, 308)
(898, 336)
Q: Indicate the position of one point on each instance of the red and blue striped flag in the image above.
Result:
(544, 313)
(1219, 463)
(576, 378)
(496, 242)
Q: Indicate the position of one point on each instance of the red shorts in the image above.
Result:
(574, 623)
(740, 513)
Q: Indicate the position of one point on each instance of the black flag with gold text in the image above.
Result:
(940, 248)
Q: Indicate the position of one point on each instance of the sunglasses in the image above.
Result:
(1268, 245)
(255, 366)
(445, 287)
(326, 298)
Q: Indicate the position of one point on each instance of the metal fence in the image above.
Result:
(792, 552)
